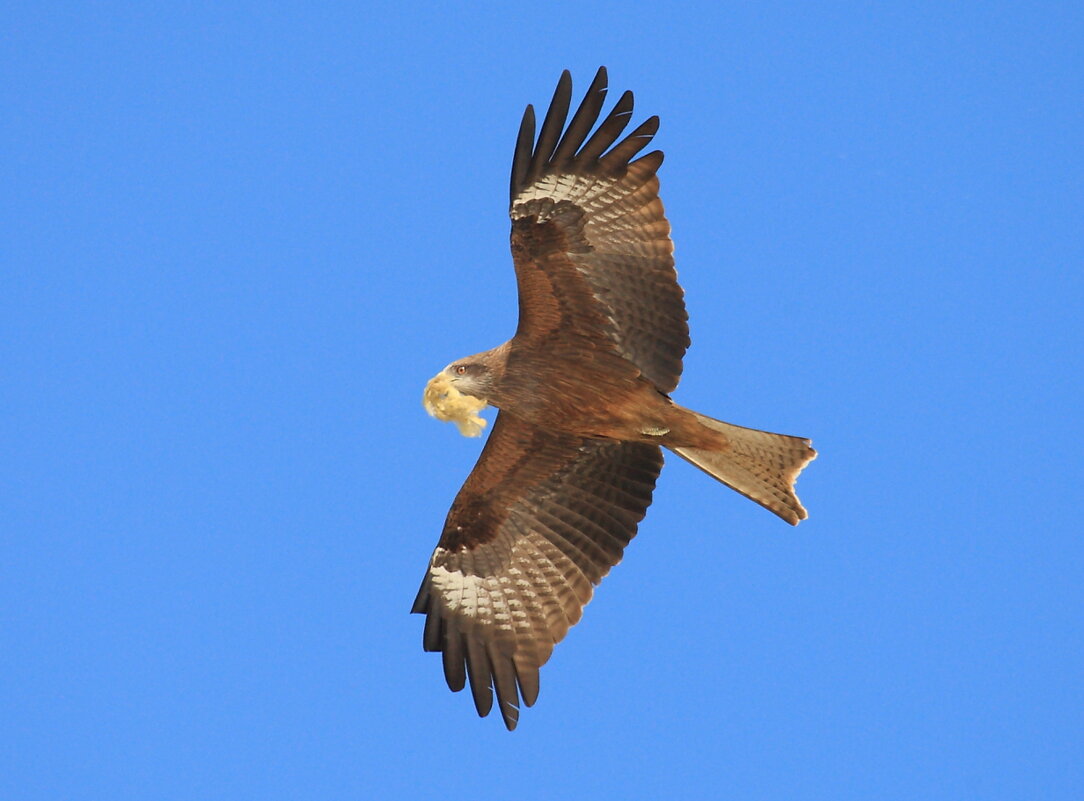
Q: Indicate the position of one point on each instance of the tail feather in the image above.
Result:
(761, 466)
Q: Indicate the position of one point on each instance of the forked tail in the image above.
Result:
(761, 466)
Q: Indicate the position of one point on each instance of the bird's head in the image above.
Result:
(457, 393)
(470, 376)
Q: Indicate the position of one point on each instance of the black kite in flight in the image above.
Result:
(582, 389)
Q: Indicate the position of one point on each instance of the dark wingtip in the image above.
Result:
(528, 684)
(503, 672)
(453, 660)
(521, 156)
(433, 633)
(653, 159)
(563, 147)
(421, 600)
(480, 675)
(552, 125)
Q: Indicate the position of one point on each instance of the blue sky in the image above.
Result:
(239, 238)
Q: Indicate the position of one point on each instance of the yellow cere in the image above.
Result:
(445, 402)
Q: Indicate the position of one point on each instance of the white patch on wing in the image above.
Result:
(612, 208)
(536, 589)
(589, 192)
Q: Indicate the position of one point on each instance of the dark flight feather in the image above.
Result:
(582, 121)
(523, 156)
(552, 126)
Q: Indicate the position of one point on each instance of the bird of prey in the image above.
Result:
(582, 392)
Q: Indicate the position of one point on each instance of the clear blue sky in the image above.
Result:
(237, 239)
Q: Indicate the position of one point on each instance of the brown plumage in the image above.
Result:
(582, 388)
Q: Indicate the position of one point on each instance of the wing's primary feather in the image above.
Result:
(540, 520)
(550, 134)
(582, 121)
(589, 218)
(609, 130)
(521, 157)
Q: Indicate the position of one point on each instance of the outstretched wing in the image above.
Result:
(540, 520)
(594, 260)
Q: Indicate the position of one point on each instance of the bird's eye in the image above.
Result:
(460, 369)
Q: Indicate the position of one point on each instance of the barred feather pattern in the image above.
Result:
(511, 576)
